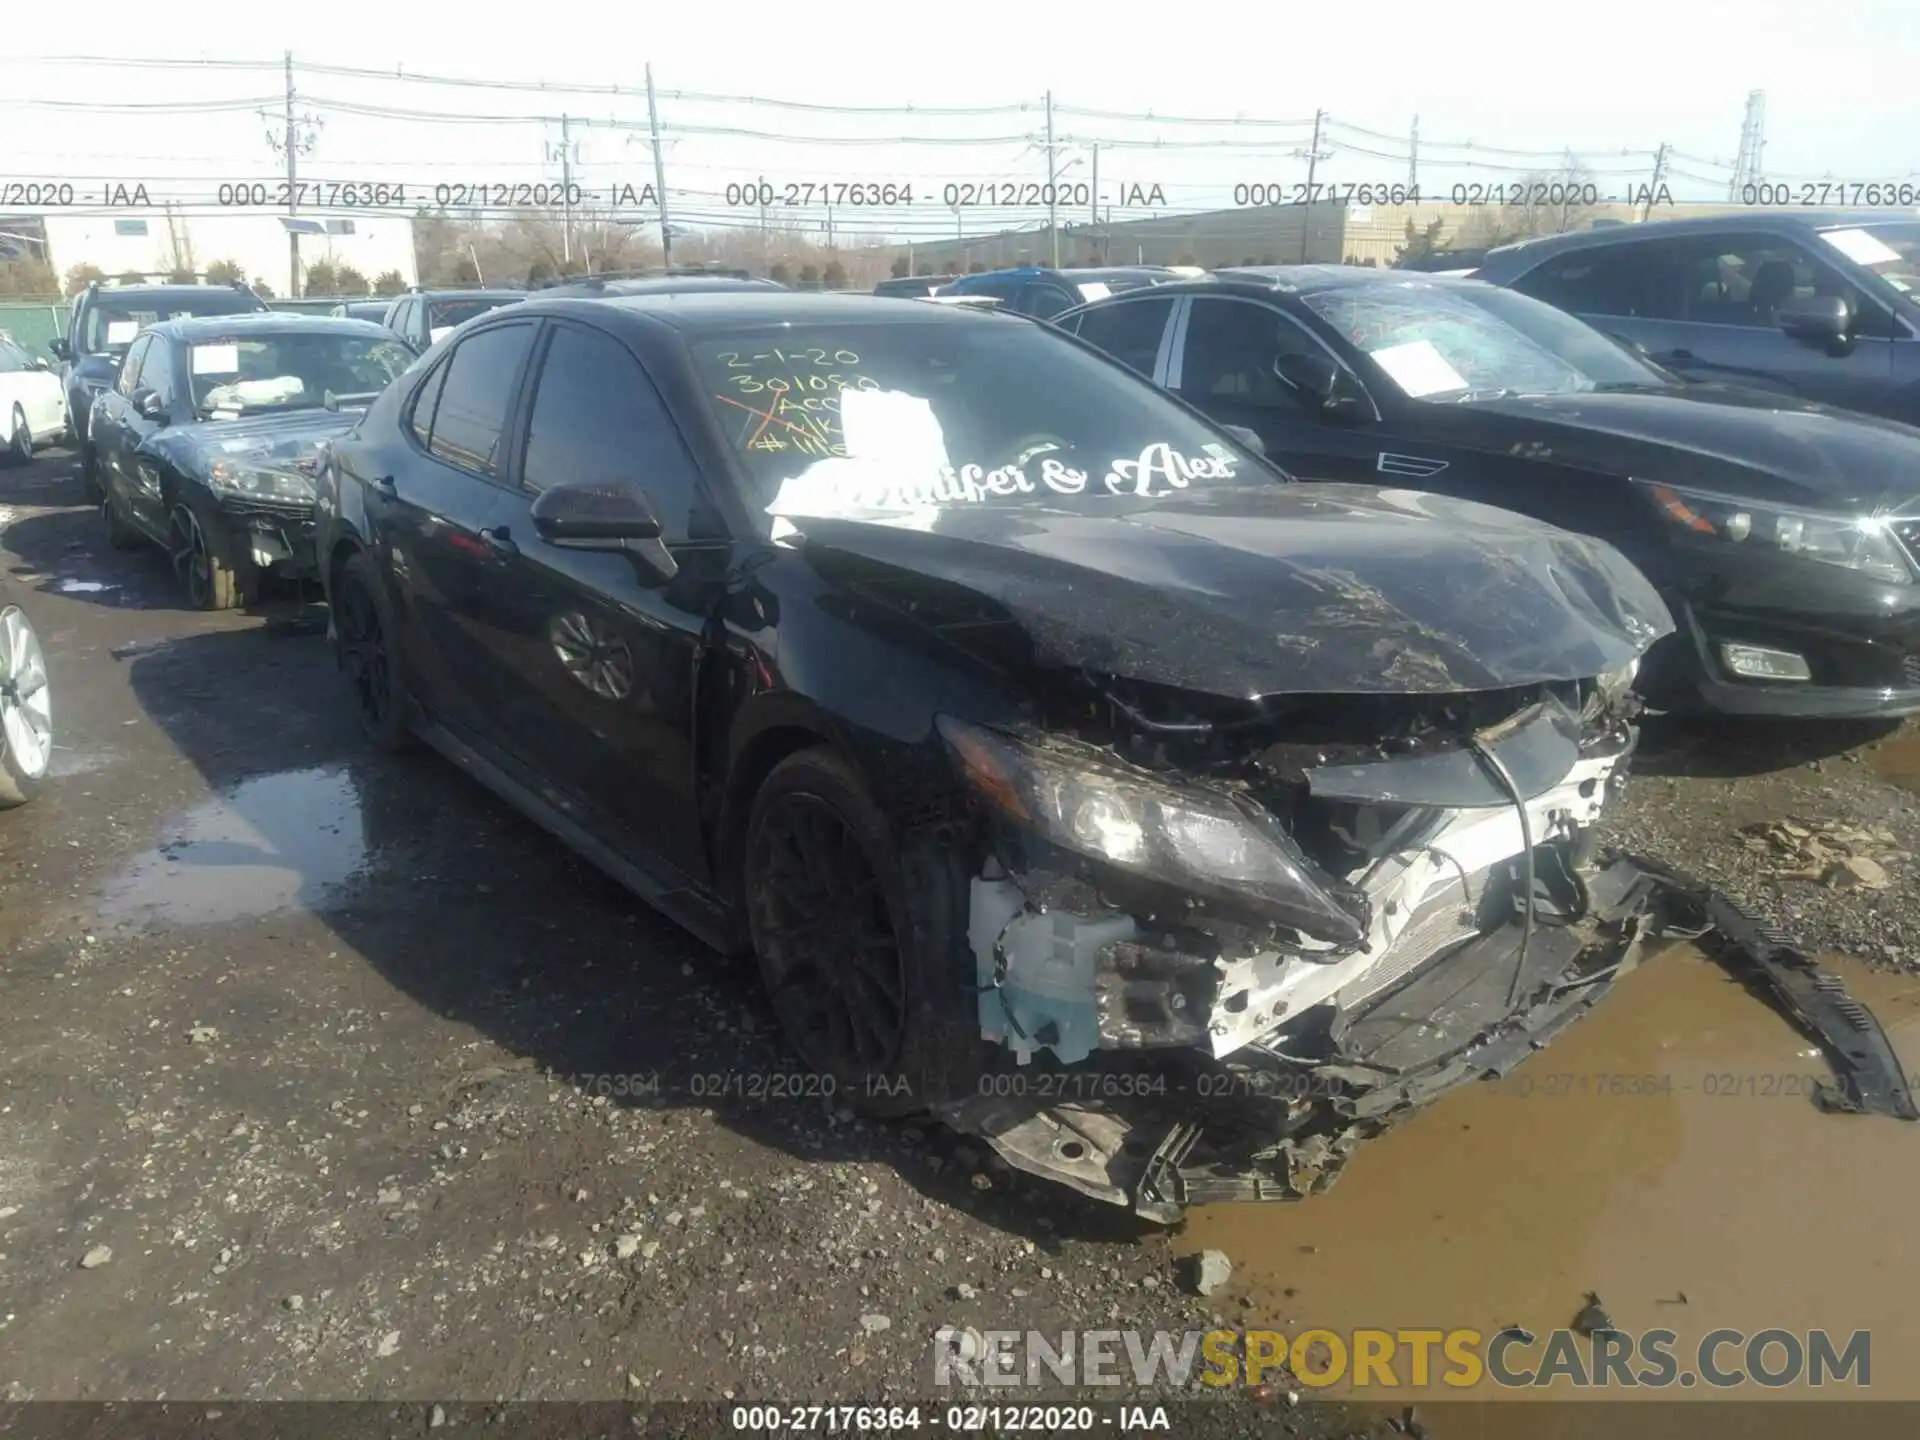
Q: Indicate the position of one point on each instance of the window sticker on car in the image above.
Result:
(216, 359)
(1094, 290)
(121, 332)
(434, 334)
(1418, 368)
(1860, 247)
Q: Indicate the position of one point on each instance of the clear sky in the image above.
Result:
(1500, 88)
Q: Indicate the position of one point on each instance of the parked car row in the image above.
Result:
(997, 686)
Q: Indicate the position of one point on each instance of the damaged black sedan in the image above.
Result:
(1072, 774)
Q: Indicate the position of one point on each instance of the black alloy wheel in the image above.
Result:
(362, 646)
(829, 951)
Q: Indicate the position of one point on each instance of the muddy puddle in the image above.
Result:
(1662, 1153)
(273, 843)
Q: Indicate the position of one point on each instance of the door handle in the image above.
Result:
(385, 487)
(500, 541)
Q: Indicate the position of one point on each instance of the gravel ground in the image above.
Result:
(323, 1075)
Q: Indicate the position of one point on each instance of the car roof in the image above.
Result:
(1774, 219)
(656, 285)
(208, 327)
(471, 292)
(1072, 272)
(699, 312)
(173, 294)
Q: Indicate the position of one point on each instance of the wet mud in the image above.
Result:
(1664, 1153)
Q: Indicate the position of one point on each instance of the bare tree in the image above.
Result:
(1552, 202)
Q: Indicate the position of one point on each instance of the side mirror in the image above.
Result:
(1820, 319)
(149, 404)
(61, 350)
(605, 517)
(1247, 438)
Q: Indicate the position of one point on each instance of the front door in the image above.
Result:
(595, 671)
(1224, 362)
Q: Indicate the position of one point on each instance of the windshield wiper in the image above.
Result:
(1500, 394)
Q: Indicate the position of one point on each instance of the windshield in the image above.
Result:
(864, 419)
(110, 325)
(1890, 251)
(290, 372)
(1456, 342)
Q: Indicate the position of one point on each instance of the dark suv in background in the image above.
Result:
(421, 317)
(1041, 293)
(105, 320)
(1824, 305)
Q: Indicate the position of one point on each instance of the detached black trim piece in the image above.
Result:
(1869, 1078)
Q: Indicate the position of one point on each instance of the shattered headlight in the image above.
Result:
(1202, 841)
(257, 482)
(1614, 684)
(1863, 543)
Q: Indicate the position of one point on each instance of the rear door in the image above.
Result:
(429, 515)
(1137, 333)
(108, 437)
(1224, 363)
(594, 672)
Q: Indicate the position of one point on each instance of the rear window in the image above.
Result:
(444, 315)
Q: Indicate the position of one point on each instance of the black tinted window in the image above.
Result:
(471, 416)
(425, 400)
(1600, 282)
(1047, 300)
(1130, 332)
(1232, 347)
(130, 367)
(597, 421)
(156, 371)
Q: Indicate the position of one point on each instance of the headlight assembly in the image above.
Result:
(1865, 543)
(1201, 841)
(254, 482)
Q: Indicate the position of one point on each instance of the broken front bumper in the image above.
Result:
(1280, 1117)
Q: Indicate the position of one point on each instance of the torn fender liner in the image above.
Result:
(1274, 1125)
(1344, 589)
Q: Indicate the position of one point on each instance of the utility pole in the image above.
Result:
(659, 172)
(1053, 224)
(1413, 159)
(1659, 178)
(1753, 140)
(294, 140)
(566, 186)
(1313, 157)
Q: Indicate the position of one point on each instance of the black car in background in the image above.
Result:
(206, 445)
(1043, 293)
(1823, 305)
(656, 282)
(104, 321)
(912, 287)
(421, 317)
(1783, 534)
(374, 310)
(1005, 708)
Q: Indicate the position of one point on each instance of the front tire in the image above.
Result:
(366, 647)
(26, 710)
(210, 575)
(19, 439)
(861, 940)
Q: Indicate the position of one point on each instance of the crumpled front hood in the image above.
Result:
(1723, 437)
(280, 441)
(1276, 589)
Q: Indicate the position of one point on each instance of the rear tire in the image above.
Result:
(366, 647)
(861, 940)
(19, 439)
(120, 534)
(26, 710)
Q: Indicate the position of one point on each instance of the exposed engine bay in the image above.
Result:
(1219, 944)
